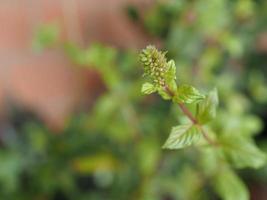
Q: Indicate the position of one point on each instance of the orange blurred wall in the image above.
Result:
(47, 83)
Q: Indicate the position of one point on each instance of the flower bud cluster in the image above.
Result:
(155, 65)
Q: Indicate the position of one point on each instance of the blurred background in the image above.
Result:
(73, 123)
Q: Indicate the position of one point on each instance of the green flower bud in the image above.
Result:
(155, 65)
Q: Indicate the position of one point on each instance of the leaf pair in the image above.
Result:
(187, 94)
(182, 94)
(185, 135)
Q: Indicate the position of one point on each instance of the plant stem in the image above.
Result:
(194, 121)
(187, 113)
(205, 135)
(190, 116)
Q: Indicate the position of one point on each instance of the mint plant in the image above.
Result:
(220, 136)
(162, 79)
(114, 146)
(219, 153)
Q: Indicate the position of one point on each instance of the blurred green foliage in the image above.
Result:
(113, 151)
(46, 36)
(227, 148)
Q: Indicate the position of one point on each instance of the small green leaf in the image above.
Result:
(170, 75)
(242, 151)
(46, 36)
(229, 186)
(187, 94)
(171, 71)
(100, 56)
(206, 109)
(148, 88)
(182, 136)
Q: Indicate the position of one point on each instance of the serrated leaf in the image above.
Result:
(182, 136)
(229, 186)
(243, 152)
(187, 94)
(148, 88)
(206, 109)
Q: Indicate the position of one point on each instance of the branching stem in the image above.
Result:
(190, 116)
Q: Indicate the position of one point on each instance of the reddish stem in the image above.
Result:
(187, 113)
(192, 118)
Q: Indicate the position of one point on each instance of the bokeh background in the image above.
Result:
(73, 123)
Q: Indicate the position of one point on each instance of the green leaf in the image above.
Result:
(182, 136)
(148, 88)
(170, 75)
(11, 167)
(242, 151)
(210, 158)
(171, 71)
(206, 109)
(187, 94)
(148, 155)
(229, 186)
(46, 36)
(90, 163)
(190, 185)
(100, 56)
